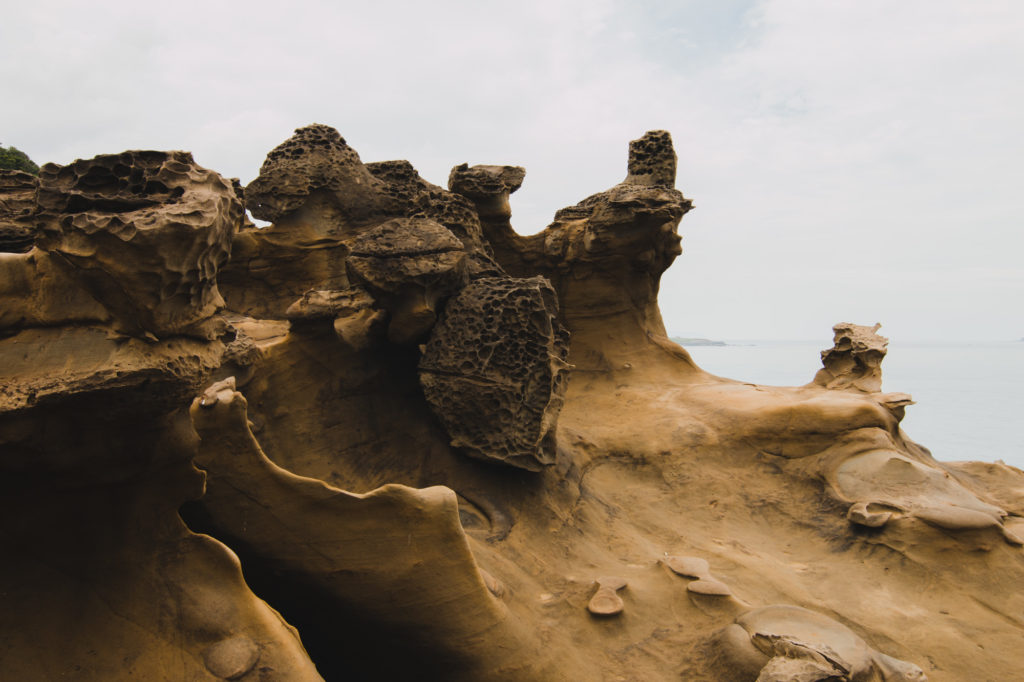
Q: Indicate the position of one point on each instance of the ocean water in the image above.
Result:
(970, 396)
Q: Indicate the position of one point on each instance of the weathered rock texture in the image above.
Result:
(495, 370)
(604, 256)
(144, 233)
(17, 206)
(855, 361)
(436, 449)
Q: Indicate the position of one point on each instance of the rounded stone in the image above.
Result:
(231, 658)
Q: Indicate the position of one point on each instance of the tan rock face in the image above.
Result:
(643, 520)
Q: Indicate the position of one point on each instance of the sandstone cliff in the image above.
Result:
(387, 437)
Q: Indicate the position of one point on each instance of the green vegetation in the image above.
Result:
(12, 158)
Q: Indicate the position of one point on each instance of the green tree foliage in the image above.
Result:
(13, 158)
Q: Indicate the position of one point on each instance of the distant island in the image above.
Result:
(697, 342)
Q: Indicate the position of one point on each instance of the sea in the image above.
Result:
(969, 396)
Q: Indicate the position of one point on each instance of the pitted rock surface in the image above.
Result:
(652, 160)
(320, 197)
(421, 199)
(618, 242)
(316, 159)
(145, 231)
(494, 370)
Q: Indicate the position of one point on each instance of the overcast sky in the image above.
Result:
(857, 160)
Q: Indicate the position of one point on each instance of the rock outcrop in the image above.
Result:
(100, 347)
(435, 449)
(17, 206)
(604, 256)
(855, 361)
(144, 233)
(495, 370)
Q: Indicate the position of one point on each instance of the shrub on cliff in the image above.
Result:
(12, 158)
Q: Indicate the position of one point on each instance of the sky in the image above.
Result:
(849, 160)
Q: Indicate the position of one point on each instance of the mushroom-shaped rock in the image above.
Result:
(145, 232)
(411, 265)
(760, 636)
(319, 196)
(689, 566)
(488, 187)
(421, 199)
(315, 164)
(494, 370)
(606, 601)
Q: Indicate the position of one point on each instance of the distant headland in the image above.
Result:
(686, 341)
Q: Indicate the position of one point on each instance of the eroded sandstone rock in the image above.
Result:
(855, 361)
(606, 601)
(328, 208)
(17, 210)
(316, 165)
(339, 481)
(488, 187)
(494, 370)
(410, 265)
(825, 649)
(604, 256)
(145, 232)
(652, 160)
(398, 553)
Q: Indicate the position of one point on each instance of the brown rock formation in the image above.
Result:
(494, 371)
(657, 522)
(410, 265)
(96, 449)
(144, 233)
(855, 361)
(17, 206)
(604, 256)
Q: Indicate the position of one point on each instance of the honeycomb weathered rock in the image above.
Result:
(652, 160)
(495, 372)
